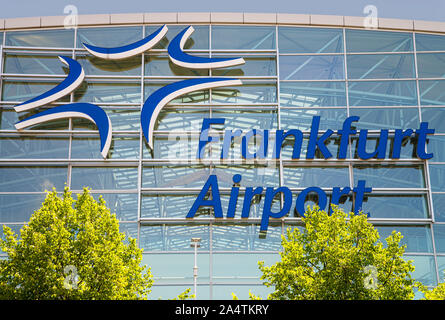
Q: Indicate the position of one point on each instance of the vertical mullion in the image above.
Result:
(141, 144)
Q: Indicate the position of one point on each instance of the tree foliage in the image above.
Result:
(339, 256)
(72, 249)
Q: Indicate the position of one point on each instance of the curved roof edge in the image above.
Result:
(221, 18)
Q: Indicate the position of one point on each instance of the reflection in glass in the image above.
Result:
(396, 206)
(429, 42)
(439, 237)
(425, 269)
(181, 119)
(431, 65)
(104, 178)
(436, 146)
(161, 65)
(32, 178)
(22, 91)
(88, 147)
(243, 37)
(108, 92)
(254, 66)
(121, 120)
(310, 40)
(302, 118)
(34, 147)
(62, 38)
(439, 206)
(416, 238)
(108, 37)
(247, 119)
(311, 67)
(173, 237)
(431, 92)
(124, 205)
(323, 177)
(200, 96)
(437, 177)
(378, 41)
(379, 66)
(435, 118)
(390, 176)
(239, 237)
(97, 66)
(24, 63)
(19, 207)
(249, 92)
(386, 118)
(382, 93)
(313, 94)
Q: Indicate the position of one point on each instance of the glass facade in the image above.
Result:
(392, 80)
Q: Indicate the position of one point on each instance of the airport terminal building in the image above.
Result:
(197, 132)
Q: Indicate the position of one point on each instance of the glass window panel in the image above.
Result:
(25, 63)
(200, 96)
(390, 176)
(161, 65)
(310, 40)
(379, 66)
(435, 118)
(249, 92)
(177, 267)
(416, 238)
(382, 93)
(171, 291)
(108, 92)
(198, 40)
(425, 269)
(386, 118)
(62, 38)
(313, 94)
(395, 206)
(304, 177)
(8, 118)
(32, 178)
(104, 178)
(124, 205)
(432, 92)
(441, 267)
(89, 148)
(196, 176)
(243, 37)
(254, 66)
(1, 37)
(439, 237)
(407, 151)
(436, 145)
(332, 144)
(130, 230)
(173, 237)
(108, 37)
(378, 41)
(22, 91)
(431, 65)
(98, 66)
(34, 147)
(247, 119)
(302, 118)
(439, 206)
(19, 207)
(174, 146)
(171, 206)
(121, 120)
(323, 67)
(171, 119)
(429, 42)
(241, 265)
(245, 237)
(437, 177)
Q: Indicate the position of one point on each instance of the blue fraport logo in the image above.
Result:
(154, 103)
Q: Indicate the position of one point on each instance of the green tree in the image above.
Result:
(339, 256)
(72, 249)
(436, 293)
